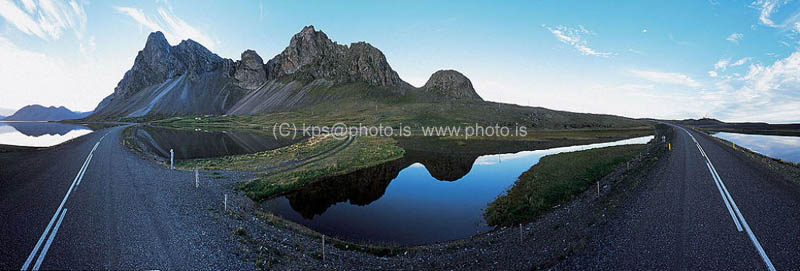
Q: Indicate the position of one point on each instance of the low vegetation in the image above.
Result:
(292, 154)
(556, 179)
(294, 166)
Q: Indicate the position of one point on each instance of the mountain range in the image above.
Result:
(41, 113)
(189, 79)
(313, 76)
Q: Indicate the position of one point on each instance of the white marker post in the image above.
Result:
(323, 248)
(598, 189)
(226, 202)
(196, 178)
(171, 159)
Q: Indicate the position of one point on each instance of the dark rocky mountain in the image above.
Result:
(452, 85)
(188, 79)
(312, 55)
(172, 80)
(40, 113)
(250, 71)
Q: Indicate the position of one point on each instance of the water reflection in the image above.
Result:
(422, 198)
(191, 144)
(786, 148)
(39, 134)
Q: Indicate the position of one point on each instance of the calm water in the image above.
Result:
(39, 134)
(786, 148)
(421, 198)
(191, 144)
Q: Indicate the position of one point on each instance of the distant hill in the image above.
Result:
(703, 121)
(40, 113)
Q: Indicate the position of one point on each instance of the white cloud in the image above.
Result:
(575, 38)
(722, 64)
(735, 37)
(46, 19)
(764, 93)
(766, 7)
(725, 63)
(38, 78)
(782, 74)
(174, 28)
(666, 77)
(740, 62)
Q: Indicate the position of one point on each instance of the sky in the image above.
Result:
(730, 60)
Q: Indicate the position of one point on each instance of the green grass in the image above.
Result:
(554, 180)
(266, 159)
(364, 152)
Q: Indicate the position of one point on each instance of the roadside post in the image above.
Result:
(171, 159)
(598, 189)
(196, 178)
(323, 248)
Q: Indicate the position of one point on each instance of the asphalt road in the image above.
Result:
(123, 213)
(683, 217)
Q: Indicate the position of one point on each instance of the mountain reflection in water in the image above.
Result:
(424, 197)
(39, 134)
(190, 144)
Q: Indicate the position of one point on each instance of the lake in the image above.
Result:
(421, 198)
(786, 148)
(198, 143)
(39, 134)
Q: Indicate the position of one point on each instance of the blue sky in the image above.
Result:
(732, 60)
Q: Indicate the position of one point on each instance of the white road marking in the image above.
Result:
(76, 181)
(49, 241)
(84, 169)
(727, 196)
(725, 199)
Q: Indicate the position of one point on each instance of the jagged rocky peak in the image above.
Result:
(159, 61)
(250, 72)
(312, 55)
(451, 84)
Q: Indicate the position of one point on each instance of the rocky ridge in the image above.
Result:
(170, 80)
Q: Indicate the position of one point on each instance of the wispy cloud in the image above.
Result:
(174, 28)
(676, 41)
(764, 93)
(766, 7)
(260, 11)
(666, 78)
(46, 19)
(735, 37)
(575, 38)
(723, 64)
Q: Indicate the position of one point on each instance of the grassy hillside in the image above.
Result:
(360, 103)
